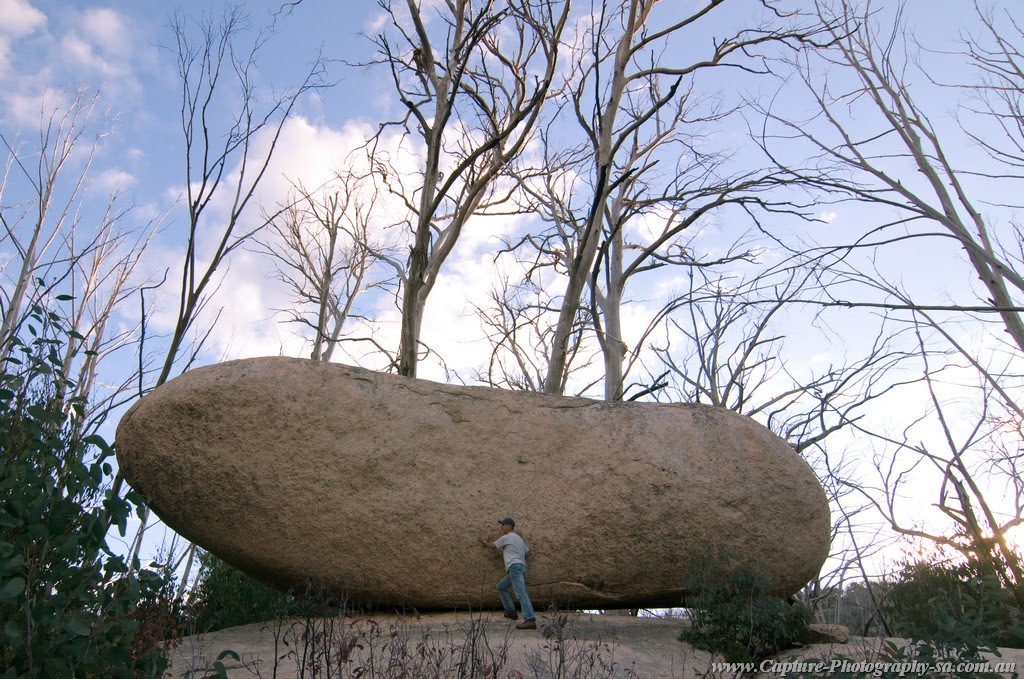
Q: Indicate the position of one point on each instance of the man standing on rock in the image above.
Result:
(513, 551)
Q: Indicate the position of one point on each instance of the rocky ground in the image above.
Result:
(462, 644)
(582, 645)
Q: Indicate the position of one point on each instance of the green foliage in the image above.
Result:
(66, 602)
(960, 606)
(954, 616)
(226, 597)
(734, 613)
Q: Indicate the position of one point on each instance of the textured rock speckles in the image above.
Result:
(375, 485)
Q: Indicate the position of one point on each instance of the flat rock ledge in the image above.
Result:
(458, 644)
(449, 645)
(374, 486)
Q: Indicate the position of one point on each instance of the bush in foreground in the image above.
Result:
(955, 604)
(733, 612)
(67, 603)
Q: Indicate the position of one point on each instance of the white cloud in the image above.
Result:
(245, 302)
(81, 52)
(5, 54)
(30, 107)
(84, 54)
(19, 18)
(451, 325)
(376, 23)
(311, 154)
(482, 234)
(650, 225)
(101, 42)
(113, 179)
(239, 316)
(307, 153)
(106, 29)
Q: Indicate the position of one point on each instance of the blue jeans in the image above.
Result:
(516, 578)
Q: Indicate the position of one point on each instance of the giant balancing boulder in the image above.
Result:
(375, 485)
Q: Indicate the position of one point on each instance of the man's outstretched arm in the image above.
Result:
(486, 542)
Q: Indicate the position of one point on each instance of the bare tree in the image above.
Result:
(520, 338)
(229, 139)
(69, 244)
(974, 458)
(40, 197)
(620, 200)
(77, 255)
(725, 348)
(101, 286)
(964, 443)
(875, 142)
(229, 160)
(725, 344)
(902, 161)
(471, 76)
(324, 252)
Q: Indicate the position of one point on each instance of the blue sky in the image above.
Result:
(126, 51)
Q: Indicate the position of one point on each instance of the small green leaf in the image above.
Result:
(14, 588)
(12, 565)
(99, 442)
(8, 521)
(56, 667)
(77, 625)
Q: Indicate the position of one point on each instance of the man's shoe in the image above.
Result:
(527, 624)
(511, 615)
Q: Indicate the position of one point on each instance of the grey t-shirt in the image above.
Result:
(513, 549)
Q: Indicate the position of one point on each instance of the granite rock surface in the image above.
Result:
(375, 485)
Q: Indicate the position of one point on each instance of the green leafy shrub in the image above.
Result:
(66, 602)
(954, 616)
(959, 605)
(227, 597)
(733, 612)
